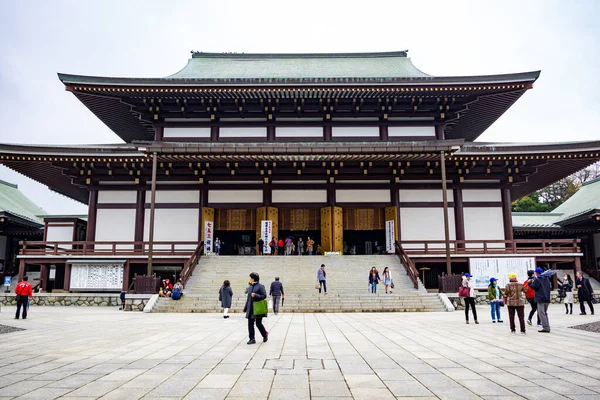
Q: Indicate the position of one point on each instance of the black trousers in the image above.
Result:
(22, 302)
(259, 325)
(582, 306)
(511, 317)
(533, 305)
(470, 302)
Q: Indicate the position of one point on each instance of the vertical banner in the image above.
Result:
(389, 236)
(208, 237)
(266, 235)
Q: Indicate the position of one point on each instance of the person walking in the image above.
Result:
(276, 292)
(309, 246)
(585, 292)
(387, 280)
(565, 290)
(300, 247)
(24, 292)
(374, 279)
(288, 246)
(256, 292)
(321, 277)
(513, 292)
(530, 297)
(470, 297)
(495, 297)
(541, 284)
(261, 246)
(225, 297)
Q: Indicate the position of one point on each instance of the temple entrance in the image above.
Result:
(296, 235)
(299, 223)
(236, 229)
(364, 231)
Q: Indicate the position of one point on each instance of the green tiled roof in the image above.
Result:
(535, 220)
(586, 199)
(297, 66)
(13, 201)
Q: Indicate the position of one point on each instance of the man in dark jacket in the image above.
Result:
(585, 292)
(256, 292)
(276, 292)
(541, 284)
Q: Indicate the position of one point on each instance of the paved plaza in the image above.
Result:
(88, 353)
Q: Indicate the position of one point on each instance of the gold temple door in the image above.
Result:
(337, 219)
(326, 228)
(208, 214)
(391, 214)
(273, 215)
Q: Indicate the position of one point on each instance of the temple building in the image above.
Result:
(357, 151)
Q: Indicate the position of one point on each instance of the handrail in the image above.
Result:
(104, 248)
(409, 265)
(191, 263)
(590, 269)
(517, 246)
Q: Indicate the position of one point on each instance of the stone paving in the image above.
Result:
(89, 353)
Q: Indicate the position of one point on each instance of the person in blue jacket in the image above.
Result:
(541, 284)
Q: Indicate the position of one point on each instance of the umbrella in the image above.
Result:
(282, 301)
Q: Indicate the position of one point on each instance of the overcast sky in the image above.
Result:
(153, 38)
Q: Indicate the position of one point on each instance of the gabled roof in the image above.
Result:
(13, 201)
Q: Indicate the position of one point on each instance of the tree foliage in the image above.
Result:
(529, 203)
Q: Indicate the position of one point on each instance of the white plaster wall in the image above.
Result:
(425, 223)
(235, 196)
(362, 196)
(484, 223)
(172, 132)
(355, 131)
(59, 233)
(292, 132)
(173, 225)
(175, 196)
(115, 226)
(421, 131)
(482, 195)
(299, 196)
(116, 196)
(424, 195)
(243, 132)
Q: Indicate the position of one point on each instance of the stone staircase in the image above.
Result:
(347, 285)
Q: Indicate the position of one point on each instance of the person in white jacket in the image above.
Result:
(387, 280)
(470, 299)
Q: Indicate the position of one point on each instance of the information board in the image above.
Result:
(483, 269)
(266, 234)
(96, 277)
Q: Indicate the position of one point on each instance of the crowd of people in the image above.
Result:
(536, 289)
(288, 247)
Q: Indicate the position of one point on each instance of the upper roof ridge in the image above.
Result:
(200, 54)
(13, 185)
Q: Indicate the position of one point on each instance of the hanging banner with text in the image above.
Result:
(483, 269)
(390, 236)
(208, 237)
(266, 233)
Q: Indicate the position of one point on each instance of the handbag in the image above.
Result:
(318, 285)
(260, 308)
(464, 291)
(392, 284)
(594, 300)
(270, 304)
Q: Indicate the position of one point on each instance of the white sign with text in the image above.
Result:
(483, 269)
(390, 236)
(266, 233)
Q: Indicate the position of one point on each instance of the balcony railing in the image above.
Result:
(468, 247)
(100, 249)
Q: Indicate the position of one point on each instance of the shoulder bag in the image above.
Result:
(260, 308)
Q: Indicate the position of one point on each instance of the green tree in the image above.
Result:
(529, 204)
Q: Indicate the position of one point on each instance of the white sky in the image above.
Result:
(153, 38)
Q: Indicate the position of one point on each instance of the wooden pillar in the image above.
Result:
(395, 195)
(271, 133)
(554, 277)
(208, 214)
(577, 265)
(273, 215)
(90, 235)
(439, 132)
(446, 223)
(327, 136)
(391, 214)
(331, 197)
(67, 278)
(43, 277)
(459, 217)
(126, 272)
(326, 229)
(152, 206)
(507, 214)
(214, 133)
(383, 132)
(159, 132)
(337, 222)
(22, 267)
(140, 212)
(267, 195)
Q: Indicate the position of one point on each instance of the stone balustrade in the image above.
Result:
(133, 302)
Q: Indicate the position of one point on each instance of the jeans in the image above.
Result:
(310, 252)
(495, 310)
(542, 309)
(582, 306)
(374, 287)
(470, 302)
(276, 301)
(22, 302)
(323, 284)
(533, 305)
(511, 316)
(259, 325)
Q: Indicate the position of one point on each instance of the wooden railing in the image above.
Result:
(466, 247)
(590, 269)
(99, 249)
(191, 263)
(409, 265)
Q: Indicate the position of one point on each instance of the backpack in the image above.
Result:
(530, 292)
(176, 294)
(20, 288)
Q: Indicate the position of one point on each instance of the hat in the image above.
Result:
(468, 275)
(538, 270)
(512, 275)
(493, 280)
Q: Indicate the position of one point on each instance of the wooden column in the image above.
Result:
(507, 214)
(140, 212)
(391, 214)
(337, 221)
(327, 136)
(395, 195)
(383, 132)
(152, 207)
(439, 131)
(273, 215)
(67, 278)
(159, 132)
(208, 214)
(459, 217)
(22, 267)
(43, 277)
(271, 133)
(90, 235)
(331, 197)
(326, 229)
(126, 271)
(214, 133)
(446, 223)
(267, 195)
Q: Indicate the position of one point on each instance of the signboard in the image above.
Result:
(333, 253)
(483, 269)
(266, 234)
(7, 280)
(390, 236)
(208, 237)
(90, 276)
